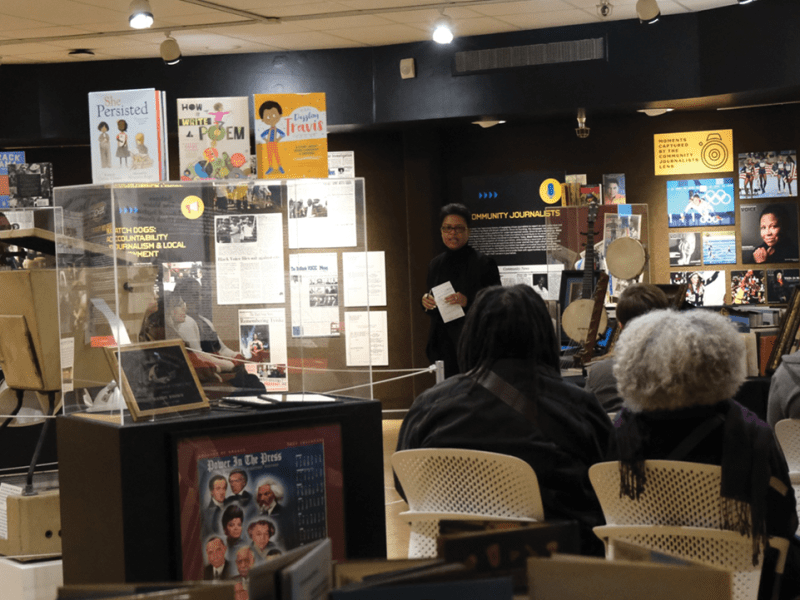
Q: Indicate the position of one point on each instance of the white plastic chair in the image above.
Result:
(676, 493)
(679, 497)
(788, 433)
(450, 483)
(714, 547)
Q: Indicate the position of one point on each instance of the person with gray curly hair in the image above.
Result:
(677, 373)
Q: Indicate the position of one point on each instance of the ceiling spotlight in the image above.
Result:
(141, 14)
(604, 9)
(443, 30)
(648, 11)
(655, 112)
(170, 51)
(582, 131)
(486, 123)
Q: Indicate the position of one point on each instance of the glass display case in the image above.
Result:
(177, 293)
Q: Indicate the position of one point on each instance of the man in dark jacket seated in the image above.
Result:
(509, 343)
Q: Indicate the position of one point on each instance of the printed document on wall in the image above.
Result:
(322, 213)
(367, 338)
(262, 341)
(315, 295)
(364, 278)
(249, 250)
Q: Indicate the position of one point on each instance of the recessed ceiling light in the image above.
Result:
(81, 52)
(655, 112)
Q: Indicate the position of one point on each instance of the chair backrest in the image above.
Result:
(469, 482)
(714, 547)
(675, 493)
(788, 433)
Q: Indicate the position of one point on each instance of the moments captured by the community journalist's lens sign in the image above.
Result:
(693, 152)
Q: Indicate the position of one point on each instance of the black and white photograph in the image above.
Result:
(237, 229)
(685, 249)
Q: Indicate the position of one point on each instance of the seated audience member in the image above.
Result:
(784, 390)
(635, 301)
(508, 340)
(198, 331)
(677, 373)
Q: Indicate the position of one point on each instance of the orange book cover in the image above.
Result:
(291, 133)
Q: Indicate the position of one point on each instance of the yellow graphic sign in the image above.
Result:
(550, 191)
(192, 207)
(693, 152)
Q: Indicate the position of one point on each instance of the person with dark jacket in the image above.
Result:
(512, 400)
(468, 270)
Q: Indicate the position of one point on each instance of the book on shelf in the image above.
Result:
(214, 138)
(588, 193)
(30, 185)
(15, 157)
(291, 133)
(128, 136)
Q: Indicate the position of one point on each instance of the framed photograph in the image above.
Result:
(787, 333)
(156, 378)
(700, 202)
(769, 233)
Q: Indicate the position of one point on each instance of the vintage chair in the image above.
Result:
(680, 512)
(449, 483)
(788, 433)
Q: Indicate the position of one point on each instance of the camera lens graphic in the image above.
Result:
(714, 154)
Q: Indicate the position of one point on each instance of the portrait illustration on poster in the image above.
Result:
(700, 202)
(291, 132)
(768, 233)
(267, 494)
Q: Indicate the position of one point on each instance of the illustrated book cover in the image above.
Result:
(128, 136)
(291, 132)
(214, 138)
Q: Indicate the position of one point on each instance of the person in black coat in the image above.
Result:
(468, 270)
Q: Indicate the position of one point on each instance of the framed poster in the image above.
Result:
(156, 378)
(266, 491)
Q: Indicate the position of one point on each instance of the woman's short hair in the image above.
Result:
(666, 360)
(456, 209)
(231, 512)
(507, 322)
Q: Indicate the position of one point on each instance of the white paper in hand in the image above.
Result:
(449, 312)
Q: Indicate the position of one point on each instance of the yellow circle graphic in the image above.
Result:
(192, 207)
(550, 191)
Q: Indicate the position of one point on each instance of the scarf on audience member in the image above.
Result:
(745, 463)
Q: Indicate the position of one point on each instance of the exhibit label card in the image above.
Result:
(315, 295)
(693, 152)
(364, 277)
(249, 251)
(367, 338)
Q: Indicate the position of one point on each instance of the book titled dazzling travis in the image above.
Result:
(214, 138)
(291, 132)
(128, 136)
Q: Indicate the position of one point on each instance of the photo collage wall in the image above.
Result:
(702, 215)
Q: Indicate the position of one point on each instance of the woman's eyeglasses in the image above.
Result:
(451, 229)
